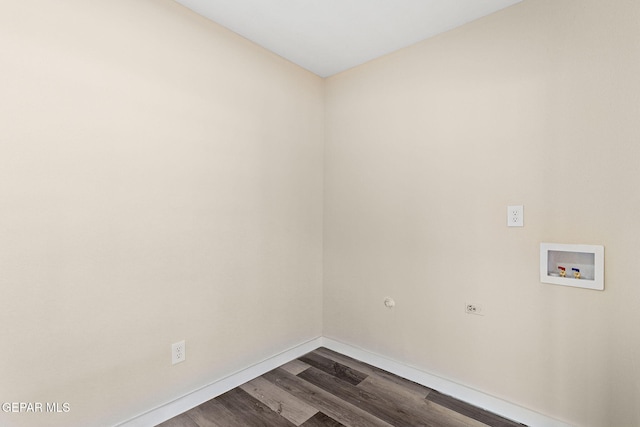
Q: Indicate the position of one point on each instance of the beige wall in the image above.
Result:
(536, 105)
(160, 180)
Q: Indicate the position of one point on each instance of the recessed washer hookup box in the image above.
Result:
(580, 266)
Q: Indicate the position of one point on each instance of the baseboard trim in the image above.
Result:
(182, 404)
(459, 391)
(490, 403)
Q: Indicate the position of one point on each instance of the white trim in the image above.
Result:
(178, 406)
(474, 397)
(448, 387)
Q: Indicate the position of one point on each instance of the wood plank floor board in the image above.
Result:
(250, 411)
(392, 409)
(471, 411)
(295, 366)
(213, 414)
(438, 413)
(335, 407)
(321, 420)
(281, 402)
(182, 420)
(407, 402)
(360, 398)
(325, 388)
(389, 390)
(418, 389)
(334, 368)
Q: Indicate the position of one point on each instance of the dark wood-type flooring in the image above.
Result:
(325, 388)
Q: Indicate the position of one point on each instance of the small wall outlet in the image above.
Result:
(472, 308)
(515, 216)
(178, 352)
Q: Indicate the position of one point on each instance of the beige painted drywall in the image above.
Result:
(160, 180)
(537, 105)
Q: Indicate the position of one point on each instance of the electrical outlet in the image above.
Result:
(515, 216)
(471, 308)
(178, 352)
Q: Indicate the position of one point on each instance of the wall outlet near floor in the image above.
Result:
(472, 308)
(178, 352)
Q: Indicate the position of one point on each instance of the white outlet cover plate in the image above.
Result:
(178, 352)
(477, 309)
(515, 216)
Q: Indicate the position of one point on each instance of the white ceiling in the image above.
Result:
(329, 36)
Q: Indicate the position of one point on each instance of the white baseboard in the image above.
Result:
(450, 388)
(182, 404)
(477, 398)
